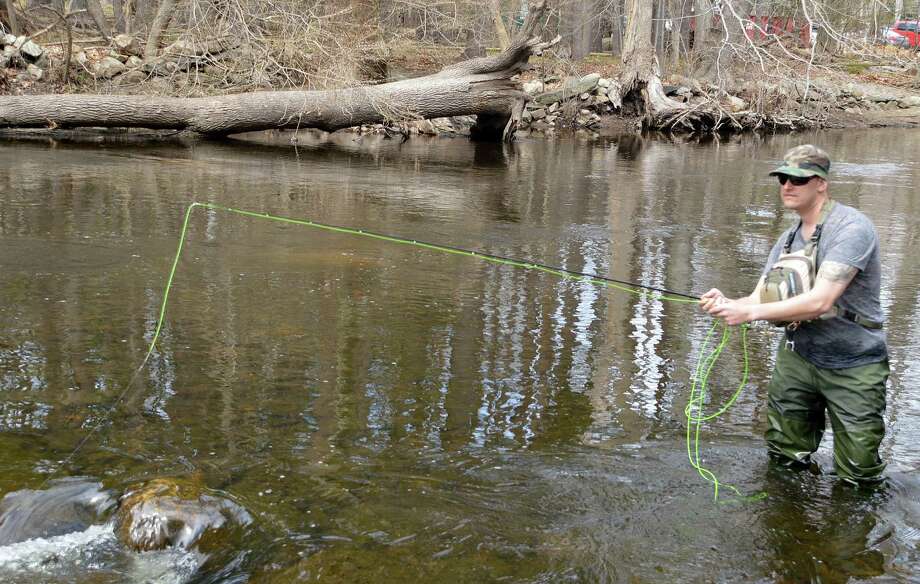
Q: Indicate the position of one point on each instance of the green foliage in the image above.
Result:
(855, 67)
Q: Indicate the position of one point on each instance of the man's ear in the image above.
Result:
(822, 185)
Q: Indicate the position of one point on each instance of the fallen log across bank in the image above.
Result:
(481, 86)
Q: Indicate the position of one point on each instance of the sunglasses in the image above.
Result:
(796, 181)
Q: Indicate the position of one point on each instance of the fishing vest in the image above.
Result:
(795, 273)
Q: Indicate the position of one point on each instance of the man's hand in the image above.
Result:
(733, 311)
(711, 299)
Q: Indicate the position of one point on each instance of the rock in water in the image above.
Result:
(67, 506)
(172, 513)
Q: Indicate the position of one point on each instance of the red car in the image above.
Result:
(904, 33)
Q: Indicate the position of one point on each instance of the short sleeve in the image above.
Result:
(853, 244)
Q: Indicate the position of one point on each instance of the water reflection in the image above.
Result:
(409, 413)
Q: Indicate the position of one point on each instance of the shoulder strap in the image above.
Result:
(813, 242)
(788, 245)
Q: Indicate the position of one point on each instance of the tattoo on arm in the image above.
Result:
(836, 272)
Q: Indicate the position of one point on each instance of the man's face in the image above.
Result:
(798, 196)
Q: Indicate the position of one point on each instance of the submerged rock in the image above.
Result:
(167, 513)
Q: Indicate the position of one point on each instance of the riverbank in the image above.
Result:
(879, 89)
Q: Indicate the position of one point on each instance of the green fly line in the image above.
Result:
(705, 363)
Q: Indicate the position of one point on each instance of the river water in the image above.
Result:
(387, 413)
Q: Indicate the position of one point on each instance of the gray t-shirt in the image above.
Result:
(848, 237)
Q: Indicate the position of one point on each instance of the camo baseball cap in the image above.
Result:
(805, 160)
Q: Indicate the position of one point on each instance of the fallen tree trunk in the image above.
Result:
(481, 87)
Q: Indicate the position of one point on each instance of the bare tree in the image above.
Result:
(641, 77)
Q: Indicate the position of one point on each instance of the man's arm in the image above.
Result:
(833, 278)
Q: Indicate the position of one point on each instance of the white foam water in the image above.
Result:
(93, 555)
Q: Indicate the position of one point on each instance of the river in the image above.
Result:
(389, 413)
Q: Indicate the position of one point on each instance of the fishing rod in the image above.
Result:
(558, 271)
(705, 363)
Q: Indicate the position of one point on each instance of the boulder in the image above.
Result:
(134, 62)
(736, 104)
(166, 513)
(34, 72)
(534, 87)
(855, 90)
(109, 67)
(28, 49)
(882, 97)
(7, 39)
(132, 77)
(570, 89)
(127, 45)
(538, 114)
(909, 101)
(65, 506)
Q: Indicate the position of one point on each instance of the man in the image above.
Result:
(838, 362)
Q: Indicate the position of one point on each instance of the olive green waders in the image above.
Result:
(854, 398)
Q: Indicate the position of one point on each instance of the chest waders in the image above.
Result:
(801, 394)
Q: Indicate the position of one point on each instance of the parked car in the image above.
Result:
(903, 33)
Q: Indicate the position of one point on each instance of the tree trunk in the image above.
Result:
(164, 13)
(677, 19)
(11, 16)
(616, 36)
(658, 21)
(640, 80)
(701, 23)
(140, 11)
(481, 87)
(500, 30)
(578, 22)
(94, 7)
(118, 14)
